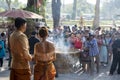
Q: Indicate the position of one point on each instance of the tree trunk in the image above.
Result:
(56, 6)
(31, 24)
(38, 6)
(9, 4)
(74, 10)
(30, 3)
(97, 15)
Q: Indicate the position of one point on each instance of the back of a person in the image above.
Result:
(19, 47)
(44, 55)
(17, 56)
(40, 48)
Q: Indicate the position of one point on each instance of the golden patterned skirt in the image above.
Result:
(44, 71)
(20, 74)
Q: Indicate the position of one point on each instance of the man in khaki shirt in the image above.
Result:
(19, 46)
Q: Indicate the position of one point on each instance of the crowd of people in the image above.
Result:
(97, 46)
(96, 49)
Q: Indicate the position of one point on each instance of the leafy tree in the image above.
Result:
(31, 6)
(15, 4)
(9, 4)
(37, 6)
(111, 8)
(83, 7)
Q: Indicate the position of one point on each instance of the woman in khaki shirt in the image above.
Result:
(44, 55)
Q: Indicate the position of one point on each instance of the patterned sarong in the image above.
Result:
(44, 71)
(20, 74)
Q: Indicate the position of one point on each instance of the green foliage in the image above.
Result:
(14, 4)
(82, 8)
(32, 9)
(111, 8)
(1, 9)
(39, 10)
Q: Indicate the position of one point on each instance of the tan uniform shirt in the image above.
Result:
(20, 50)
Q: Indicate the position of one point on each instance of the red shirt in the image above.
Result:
(78, 44)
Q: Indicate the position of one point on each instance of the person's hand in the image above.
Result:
(33, 59)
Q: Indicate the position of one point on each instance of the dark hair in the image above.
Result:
(99, 28)
(2, 34)
(43, 32)
(89, 27)
(33, 33)
(19, 22)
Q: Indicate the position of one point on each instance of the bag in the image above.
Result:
(85, 56)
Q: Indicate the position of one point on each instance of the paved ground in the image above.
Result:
(103, 75)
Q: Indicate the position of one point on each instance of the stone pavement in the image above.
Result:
(103, 75)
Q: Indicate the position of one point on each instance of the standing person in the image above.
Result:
(93, 53)
(3, 37)
(108, 38)
(19, 46)
(84, 56)
(103, 51)
(97, 31)
(78, 43)
(32, 41)
(72, 39)
(44, 55)
(116, 55)
(2, 53)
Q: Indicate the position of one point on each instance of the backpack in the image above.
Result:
(85, 56)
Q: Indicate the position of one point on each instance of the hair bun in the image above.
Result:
(43, 32)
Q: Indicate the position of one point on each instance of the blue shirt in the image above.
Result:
(2, 50)
(93, 47)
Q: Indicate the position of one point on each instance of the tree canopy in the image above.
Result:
(111, 8)
(83, 7)
(15, 4)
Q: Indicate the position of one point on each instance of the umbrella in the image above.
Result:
(20, 13)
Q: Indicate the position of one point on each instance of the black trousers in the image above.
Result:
(1, 62)
(10, 58)
(115, 62)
